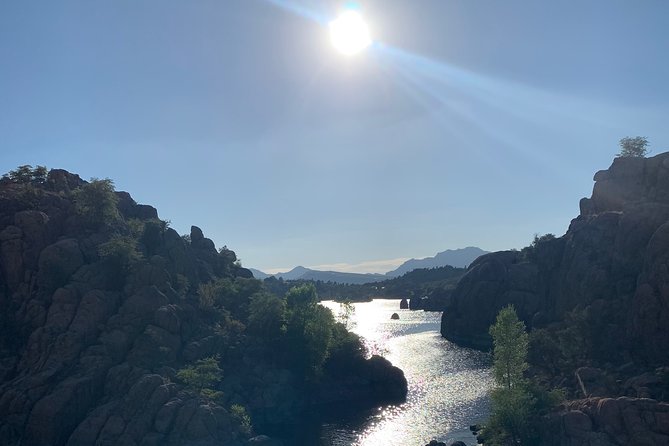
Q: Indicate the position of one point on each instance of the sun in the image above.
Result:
(349, 33)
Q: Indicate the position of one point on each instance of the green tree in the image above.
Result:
(202, 377)
(39, 174)
(22, 174)
(510, 349)
(97, 202)
(302, 295)
(309, 330)
(267, 317)
(512, 400)
(633, 147)
(26, 174)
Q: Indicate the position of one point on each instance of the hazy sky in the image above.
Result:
(468, 123)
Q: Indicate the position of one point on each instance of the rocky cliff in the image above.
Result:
(597, 296)
(98, 316)
(612, 263)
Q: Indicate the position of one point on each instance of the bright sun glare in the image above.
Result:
(349, 33)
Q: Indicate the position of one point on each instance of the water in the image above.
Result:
(447, 384)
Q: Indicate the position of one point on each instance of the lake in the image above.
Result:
(448, 384)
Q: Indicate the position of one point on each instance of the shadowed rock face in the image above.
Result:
(611, 267)
(81, 344)
(609, 421)
(613, 261)
(89, 350)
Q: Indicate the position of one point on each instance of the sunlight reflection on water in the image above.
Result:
(447, 384)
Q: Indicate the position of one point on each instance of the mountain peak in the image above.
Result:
(454, 257)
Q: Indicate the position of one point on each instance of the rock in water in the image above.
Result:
(404, 305)
(395, 316)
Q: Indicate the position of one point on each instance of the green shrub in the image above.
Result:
(96, 202)
(232, 295)
(633, 147)
(203, 377)
(529, 253)
(241, 416)
(267, 317)
(121, 250)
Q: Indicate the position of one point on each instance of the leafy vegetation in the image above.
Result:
(203, 377)
(302, 296)
(26, 174)
(242, 417)
(120, 250)
(267, 316)
(517, 403)
(308, 329)
(633, 147)
(529, 253)
(96, 202)
(229, 294)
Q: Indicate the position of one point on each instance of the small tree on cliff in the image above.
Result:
(510, 349)
(633, 147)
(512, 401)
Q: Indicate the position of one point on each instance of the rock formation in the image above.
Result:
(90, 344)
(600, 295)
(611, 264)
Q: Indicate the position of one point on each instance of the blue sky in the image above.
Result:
(467, 123)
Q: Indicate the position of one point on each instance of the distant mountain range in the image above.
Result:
(459, 258)
(453, 257)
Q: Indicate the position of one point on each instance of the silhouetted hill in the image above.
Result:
(302, 273)
(434, 283)
(293, 274)
(258, 274)
(458, 258)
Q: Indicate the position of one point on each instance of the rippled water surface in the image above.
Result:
(447, 383)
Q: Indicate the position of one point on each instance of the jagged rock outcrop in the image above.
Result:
(612, 263)
(90, 344)
(79, 350)
(600, 296)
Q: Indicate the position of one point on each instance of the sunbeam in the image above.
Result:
(297, 9)
(462, 101)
